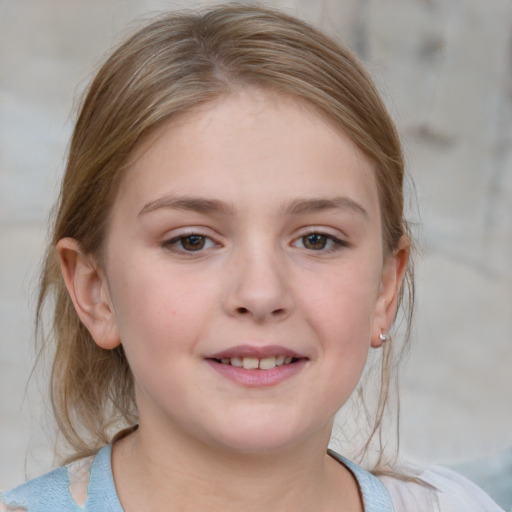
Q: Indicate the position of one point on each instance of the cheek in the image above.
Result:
(343, 301)
(340, 311)
(159, 309)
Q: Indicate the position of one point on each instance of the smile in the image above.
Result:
(257, 366)
(254, 363)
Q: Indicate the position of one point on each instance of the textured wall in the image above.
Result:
(445, 69)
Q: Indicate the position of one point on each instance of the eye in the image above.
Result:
(189, 243)
(319, 242)
(314, 241)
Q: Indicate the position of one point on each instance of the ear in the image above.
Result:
(87, 287)
(393, 272)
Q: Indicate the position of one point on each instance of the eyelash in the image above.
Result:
(330, 243)
(173, 243)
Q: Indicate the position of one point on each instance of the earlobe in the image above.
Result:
(88, 290)
(393, 273)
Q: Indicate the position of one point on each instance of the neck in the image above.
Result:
(180, 476)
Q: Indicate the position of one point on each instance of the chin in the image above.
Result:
(260, 445)
(262, 436)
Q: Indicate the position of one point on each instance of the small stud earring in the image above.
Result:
(384, 337)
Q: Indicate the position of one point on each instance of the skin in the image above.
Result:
(285, 210)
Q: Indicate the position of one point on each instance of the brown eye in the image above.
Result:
(186, 244)
(192, 242)
(320, 242)
(314, 241)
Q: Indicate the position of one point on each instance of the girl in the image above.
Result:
(228, 246)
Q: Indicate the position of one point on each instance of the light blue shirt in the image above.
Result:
(51, 492)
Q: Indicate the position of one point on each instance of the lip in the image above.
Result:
(255, 378)
(258, 378)
(256, 351)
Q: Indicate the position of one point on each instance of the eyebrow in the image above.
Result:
(188, 203)
(297, 206)
(301, 206)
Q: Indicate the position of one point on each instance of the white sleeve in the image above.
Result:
(452, 493)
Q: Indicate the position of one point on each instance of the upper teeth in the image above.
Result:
(252, 363)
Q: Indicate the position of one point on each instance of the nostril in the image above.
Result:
(276, 313)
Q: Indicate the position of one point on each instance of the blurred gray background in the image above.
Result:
(445, 70)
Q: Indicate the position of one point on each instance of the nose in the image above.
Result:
(259, 288)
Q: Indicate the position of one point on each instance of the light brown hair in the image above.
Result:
(177, 63)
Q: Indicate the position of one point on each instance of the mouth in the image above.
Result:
(257, 363)
(256, 366)
(247, 362)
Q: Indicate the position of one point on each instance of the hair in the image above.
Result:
(178, 62)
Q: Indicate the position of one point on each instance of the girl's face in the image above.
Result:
(246, 234)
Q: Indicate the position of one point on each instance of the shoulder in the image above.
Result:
(35, 495)
(446, 491)
(64, 489)
(374, 494)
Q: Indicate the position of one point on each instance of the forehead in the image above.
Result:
(244, 106)
(249, 139)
